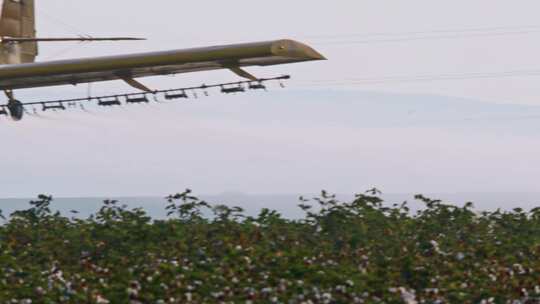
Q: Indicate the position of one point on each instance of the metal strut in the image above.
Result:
(15, 107)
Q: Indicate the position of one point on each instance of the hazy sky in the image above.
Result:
(461, 135)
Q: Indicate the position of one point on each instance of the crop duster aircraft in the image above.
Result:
(19, 49)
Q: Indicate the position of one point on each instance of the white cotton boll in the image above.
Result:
(40, 291)
(101, 300)
(408, 296)
(436, 247)
(326, 297)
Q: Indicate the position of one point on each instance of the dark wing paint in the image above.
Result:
(51, 73)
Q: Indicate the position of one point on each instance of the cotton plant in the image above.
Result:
(360, 251)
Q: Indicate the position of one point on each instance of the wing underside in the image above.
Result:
(87, 70)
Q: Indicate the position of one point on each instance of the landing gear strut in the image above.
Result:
(15, 107)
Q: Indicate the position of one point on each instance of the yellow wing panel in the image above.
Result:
(86, 70)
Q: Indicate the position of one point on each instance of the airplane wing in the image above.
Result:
(129, 67)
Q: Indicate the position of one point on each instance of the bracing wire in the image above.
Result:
(69, 27)
(66, 26)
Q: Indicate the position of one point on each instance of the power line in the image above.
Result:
(467, 119)
(426, 78)
(420, 38)
(426, 32)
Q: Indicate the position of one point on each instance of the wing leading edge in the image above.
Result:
(75, 71)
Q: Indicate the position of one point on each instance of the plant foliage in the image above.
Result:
(360, 251)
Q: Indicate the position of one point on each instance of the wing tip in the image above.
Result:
(298, 49)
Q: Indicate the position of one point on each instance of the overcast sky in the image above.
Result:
(464, 135)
